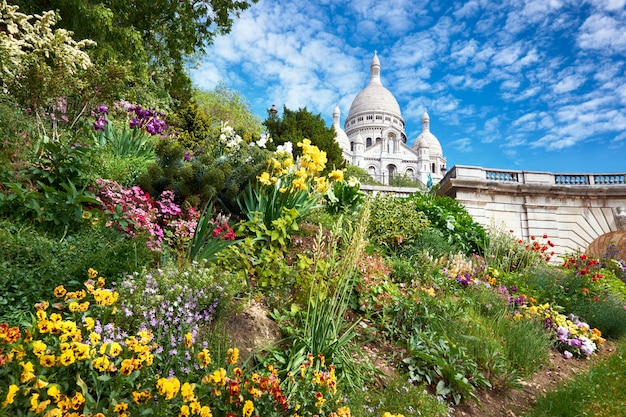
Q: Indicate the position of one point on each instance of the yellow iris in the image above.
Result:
(265, 179)
(336, 175)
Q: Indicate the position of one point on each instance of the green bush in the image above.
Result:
(430, 240)
(31, 262)
(398, 397)
(506, 253)
(608, 314)
(394, 222)
(451, 218)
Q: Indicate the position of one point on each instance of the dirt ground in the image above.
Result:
(513, 402)
(252, 329)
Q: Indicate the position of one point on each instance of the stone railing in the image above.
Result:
(609, 179)
(501, 176)
(534, 178)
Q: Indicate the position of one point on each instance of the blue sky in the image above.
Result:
(536, 85)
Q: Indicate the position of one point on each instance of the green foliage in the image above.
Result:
(448, 366)
(301, 124)
(216, 171)
(51, 188)
(123, 170)
(344, 196)
(153, 39)
(31, 262)
(324, 328)
(206, 243)
(430, 243)
(125, 143)
(607, 314)
(398, 396)
(404, 181)
(505, 253)
(360, 174)
(394, 222)
(451, 218)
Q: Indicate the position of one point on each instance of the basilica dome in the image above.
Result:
(374, 98)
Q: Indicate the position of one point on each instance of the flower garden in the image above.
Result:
(130, 236)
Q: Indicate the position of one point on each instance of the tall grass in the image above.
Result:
(326, 331)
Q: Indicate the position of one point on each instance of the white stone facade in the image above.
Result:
(374, 137)
(572, 210)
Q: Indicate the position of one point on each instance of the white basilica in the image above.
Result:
(374, 137)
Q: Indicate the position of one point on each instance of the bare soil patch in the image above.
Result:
(512, 403)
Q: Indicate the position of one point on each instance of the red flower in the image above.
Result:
(532, 238)
(585, 290)
(545, 236)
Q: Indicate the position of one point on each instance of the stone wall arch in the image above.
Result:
(600, 244)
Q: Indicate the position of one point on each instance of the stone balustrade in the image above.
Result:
(532, 177)
(573, 209)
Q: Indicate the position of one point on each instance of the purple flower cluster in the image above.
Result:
(464, 279)
(149, 119)
(512, 296)
(572, 344)
(140, 118)
(169, 308)
(101, 119)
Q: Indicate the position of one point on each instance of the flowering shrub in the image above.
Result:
(287, 184)
(63, 365)
(133, 211)
(171, 303)
(573, 337)
(139, 119)
(466, 271)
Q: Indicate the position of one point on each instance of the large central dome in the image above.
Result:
(374, 97)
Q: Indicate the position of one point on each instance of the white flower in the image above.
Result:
(261, 143)
(287, 147)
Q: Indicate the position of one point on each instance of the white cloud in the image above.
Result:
(568, 83)
(603, 32)
(463, 51)
(462, 145)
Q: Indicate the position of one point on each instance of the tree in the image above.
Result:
(156, 37)
(225, 105)
(302, 124)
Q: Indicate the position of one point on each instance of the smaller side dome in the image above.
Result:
(431, 141)
(340, 135)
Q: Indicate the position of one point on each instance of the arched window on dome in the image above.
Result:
(432, 168)
(379, 140)
(410, 173)
(368, 142)
(370, 117)
(351, 146)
